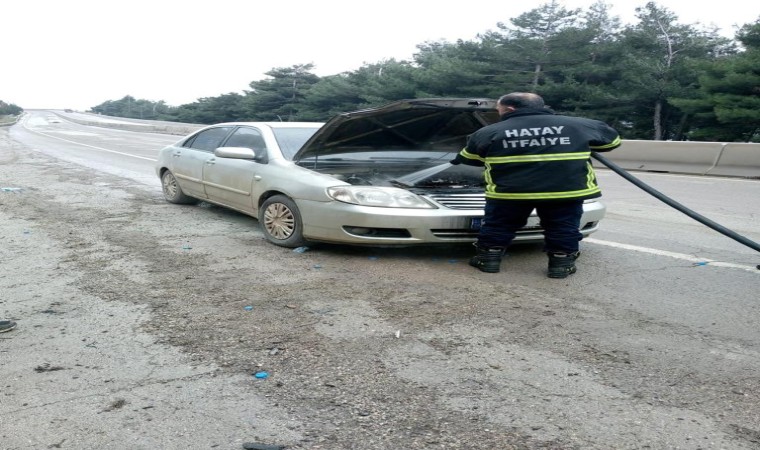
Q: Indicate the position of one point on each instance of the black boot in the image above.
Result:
(562, 264)
(488, 259)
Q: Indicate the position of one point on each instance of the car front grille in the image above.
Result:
(459, 201)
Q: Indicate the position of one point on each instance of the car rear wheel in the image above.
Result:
(281, 222)
(172, 192)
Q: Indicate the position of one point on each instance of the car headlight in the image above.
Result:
(383, 197)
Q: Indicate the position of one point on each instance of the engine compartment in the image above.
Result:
(382, 170)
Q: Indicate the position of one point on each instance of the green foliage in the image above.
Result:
(657, 65)
(749, 35)
(280, 97)
(132, 108)
(225, 108)
(726, 107)
(329, 96)
(654, 79)
(9, 109)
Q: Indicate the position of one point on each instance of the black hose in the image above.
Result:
(702, 219)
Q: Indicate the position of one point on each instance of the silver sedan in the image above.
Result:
(376, 177)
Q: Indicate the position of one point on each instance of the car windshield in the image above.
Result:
(291, 140)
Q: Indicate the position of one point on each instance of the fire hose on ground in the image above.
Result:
(669, 201)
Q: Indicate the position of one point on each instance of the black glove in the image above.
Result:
(455, 161)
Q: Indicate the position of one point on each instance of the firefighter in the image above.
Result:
(535, 159)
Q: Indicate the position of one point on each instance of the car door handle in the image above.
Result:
(211, 162)
(257, 178)
(177, 154)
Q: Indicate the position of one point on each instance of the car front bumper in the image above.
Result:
(343, 223)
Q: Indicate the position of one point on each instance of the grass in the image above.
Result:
(7, 119)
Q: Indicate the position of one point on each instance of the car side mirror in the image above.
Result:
(237, 153)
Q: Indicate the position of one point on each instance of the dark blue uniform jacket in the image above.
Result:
(538, 155)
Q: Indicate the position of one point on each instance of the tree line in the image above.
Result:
(9, 109)
(656, 79)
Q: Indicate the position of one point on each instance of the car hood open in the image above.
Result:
(408, 125)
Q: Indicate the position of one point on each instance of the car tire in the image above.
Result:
(172, 192)
(281, 222)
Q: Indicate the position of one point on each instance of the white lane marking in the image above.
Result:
(683, 256)
(77, 133)
(90, 146)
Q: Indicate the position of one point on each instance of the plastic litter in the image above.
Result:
(248, 308)
(300, 249)
(701, 263)
(373, 258)
(261, 375)
(186, 246)
(11, 189)
(317, 266)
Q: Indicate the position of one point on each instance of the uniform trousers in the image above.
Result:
(560, 220)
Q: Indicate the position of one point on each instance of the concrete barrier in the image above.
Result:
(667, 156)
(738, 160)
(144, 126)
(694, 158)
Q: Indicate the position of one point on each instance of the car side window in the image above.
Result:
(248, 138)
(208, 140)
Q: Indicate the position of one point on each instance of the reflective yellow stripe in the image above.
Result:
(542, 195)
(538, 158)
(612, 144)
(590, 176)
(490, 186)
(465, 154)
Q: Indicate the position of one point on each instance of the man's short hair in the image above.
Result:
(519, 100)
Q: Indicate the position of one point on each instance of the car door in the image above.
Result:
(189, 159)
(229, 181)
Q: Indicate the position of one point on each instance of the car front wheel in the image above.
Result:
(172, 192)
(281, 222)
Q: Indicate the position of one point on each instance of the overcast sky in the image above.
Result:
(80, 53)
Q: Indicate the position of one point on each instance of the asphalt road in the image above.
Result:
(142, 324)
